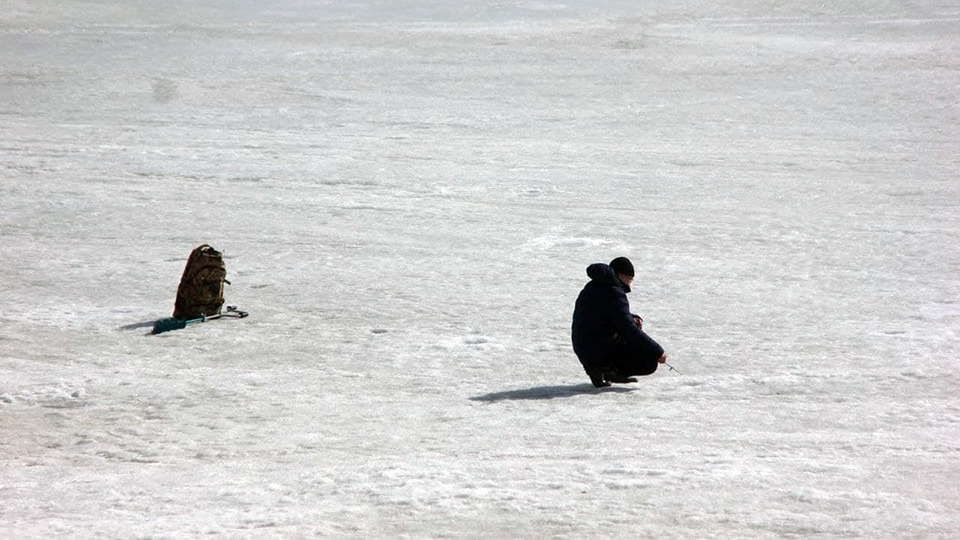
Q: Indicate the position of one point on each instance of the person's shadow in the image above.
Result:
(548, 392)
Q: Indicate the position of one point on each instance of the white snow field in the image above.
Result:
(408, 194)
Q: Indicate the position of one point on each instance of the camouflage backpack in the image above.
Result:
(201, 288)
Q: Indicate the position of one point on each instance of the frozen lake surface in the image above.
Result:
(408, 195)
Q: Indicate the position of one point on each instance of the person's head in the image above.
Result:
(624, 269)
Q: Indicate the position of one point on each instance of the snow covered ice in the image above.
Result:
(408, 194)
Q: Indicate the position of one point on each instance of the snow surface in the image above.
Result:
(408, 194)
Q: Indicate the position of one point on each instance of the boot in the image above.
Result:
(618, 378)
(597, 378)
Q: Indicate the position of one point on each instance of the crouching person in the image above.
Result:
(608, 339)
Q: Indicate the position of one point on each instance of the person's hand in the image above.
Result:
(663, 358)
(638, 320)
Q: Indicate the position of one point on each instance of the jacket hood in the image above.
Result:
(604, 273)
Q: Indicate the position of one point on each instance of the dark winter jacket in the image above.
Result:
(602, 319)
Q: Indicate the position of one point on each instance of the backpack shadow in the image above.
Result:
(548, 392)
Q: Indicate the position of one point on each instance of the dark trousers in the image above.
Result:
(628, 361)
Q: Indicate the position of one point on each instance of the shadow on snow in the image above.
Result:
(549, 392)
